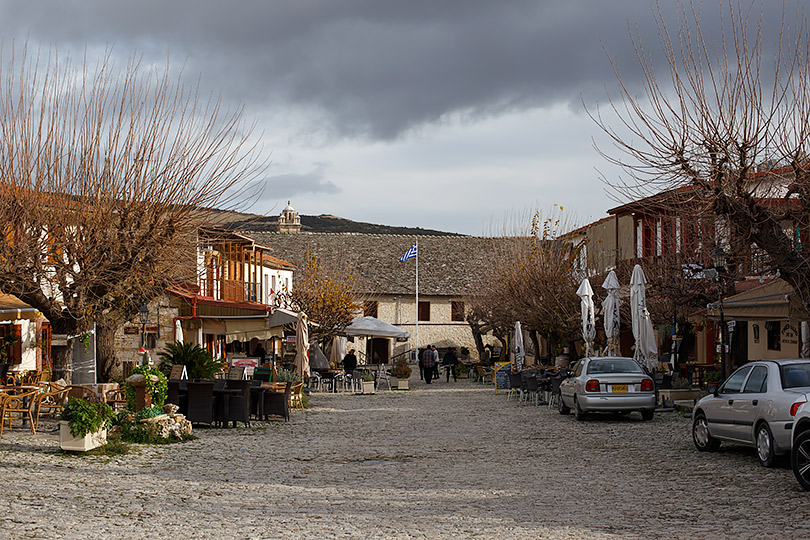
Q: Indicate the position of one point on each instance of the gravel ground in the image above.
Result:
(445, 461)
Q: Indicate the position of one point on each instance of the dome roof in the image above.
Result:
(289, 207)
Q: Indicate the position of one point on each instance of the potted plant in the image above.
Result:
(198, 361)
(83, 425)
(402, 371)
(368, 383)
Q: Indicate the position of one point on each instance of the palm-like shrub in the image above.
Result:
(198, 361)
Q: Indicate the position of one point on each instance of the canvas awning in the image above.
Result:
(771, 301)
(247, 329)
(12, 309)
(373, 327)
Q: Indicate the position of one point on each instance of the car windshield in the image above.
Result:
(795, 375)
(613, 365)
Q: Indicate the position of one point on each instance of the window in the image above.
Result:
(758, 381)
(370, 309)
(424, 311)
(735, 382)
(150, 340)
(774, 331)
(456, 310)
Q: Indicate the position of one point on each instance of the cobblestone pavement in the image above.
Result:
(446, 461)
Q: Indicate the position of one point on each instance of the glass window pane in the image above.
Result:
(735, 382)
(757, 381)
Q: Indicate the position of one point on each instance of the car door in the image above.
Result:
(568, 386)
(746, 405)
(719, 410)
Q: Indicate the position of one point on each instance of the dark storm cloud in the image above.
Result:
(367, 68)
(289, 185)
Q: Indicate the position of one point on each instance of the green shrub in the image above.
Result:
(285, 375)
(86, 417)
(198, 361)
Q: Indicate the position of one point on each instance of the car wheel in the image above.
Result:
(561, 406)
(764, 440)
(647, 414)
(800, 459)
(701, 436)
(578, 412)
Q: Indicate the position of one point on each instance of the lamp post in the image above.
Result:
(719, 258)
(143, 313)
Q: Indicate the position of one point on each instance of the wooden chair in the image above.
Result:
(49, 403)
(295, 395)
(19, 406)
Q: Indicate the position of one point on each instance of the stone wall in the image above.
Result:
(159, 325)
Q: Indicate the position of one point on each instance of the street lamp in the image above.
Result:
(143, 313)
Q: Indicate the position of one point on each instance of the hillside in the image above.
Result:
(238, 221)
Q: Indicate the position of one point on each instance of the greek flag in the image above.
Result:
(410, 254)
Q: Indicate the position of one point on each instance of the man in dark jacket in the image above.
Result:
(349, 361)
(428, 362)
(449, 362)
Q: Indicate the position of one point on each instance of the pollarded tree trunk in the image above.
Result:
(108, 365)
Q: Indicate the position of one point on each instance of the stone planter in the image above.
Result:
(680, 394)
(368, 387)
(402, 384)
(80, 444)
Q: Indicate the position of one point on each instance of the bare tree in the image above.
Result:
(532, 281)
(327, 292)
(102, 171)
(727, 125)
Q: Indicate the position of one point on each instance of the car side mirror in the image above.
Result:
(714, 390)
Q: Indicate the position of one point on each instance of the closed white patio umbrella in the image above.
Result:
(302, 346)
(585, 292)
(178, 331)
(612, 316)
(646, 352)
(520, 351)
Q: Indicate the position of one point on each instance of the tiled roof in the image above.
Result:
(448, 265)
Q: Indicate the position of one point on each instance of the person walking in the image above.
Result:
(428, 363)
(421, 362)
(449, 362)
(435, 372)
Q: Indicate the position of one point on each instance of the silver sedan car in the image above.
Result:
(753, 407)
(607, 384)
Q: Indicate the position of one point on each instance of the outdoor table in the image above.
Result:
(223, 406)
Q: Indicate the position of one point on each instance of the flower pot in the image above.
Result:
(368, 387)
(402, 384)
(80, 444)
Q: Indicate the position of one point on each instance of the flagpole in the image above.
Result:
(417, 300)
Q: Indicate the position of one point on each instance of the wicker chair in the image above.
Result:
(239, 404)
(200, 403)
(83, 392)
(483, 373)
(296, 402)
(515, 386)
(49, 403)
(278, 403)
(19, 406)
(117, 399)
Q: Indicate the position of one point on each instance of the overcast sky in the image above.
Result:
(440, 114)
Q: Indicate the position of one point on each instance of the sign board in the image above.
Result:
(59, 340)
(289, 339)
(245, 362)
(502, 371)
(178, 372)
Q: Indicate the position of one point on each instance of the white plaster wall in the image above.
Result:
(28, 345)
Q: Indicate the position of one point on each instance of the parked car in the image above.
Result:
(800, 442)
(753, 407)
(607, 384)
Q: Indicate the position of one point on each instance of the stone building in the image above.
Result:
(450, 268)
(289, 221)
